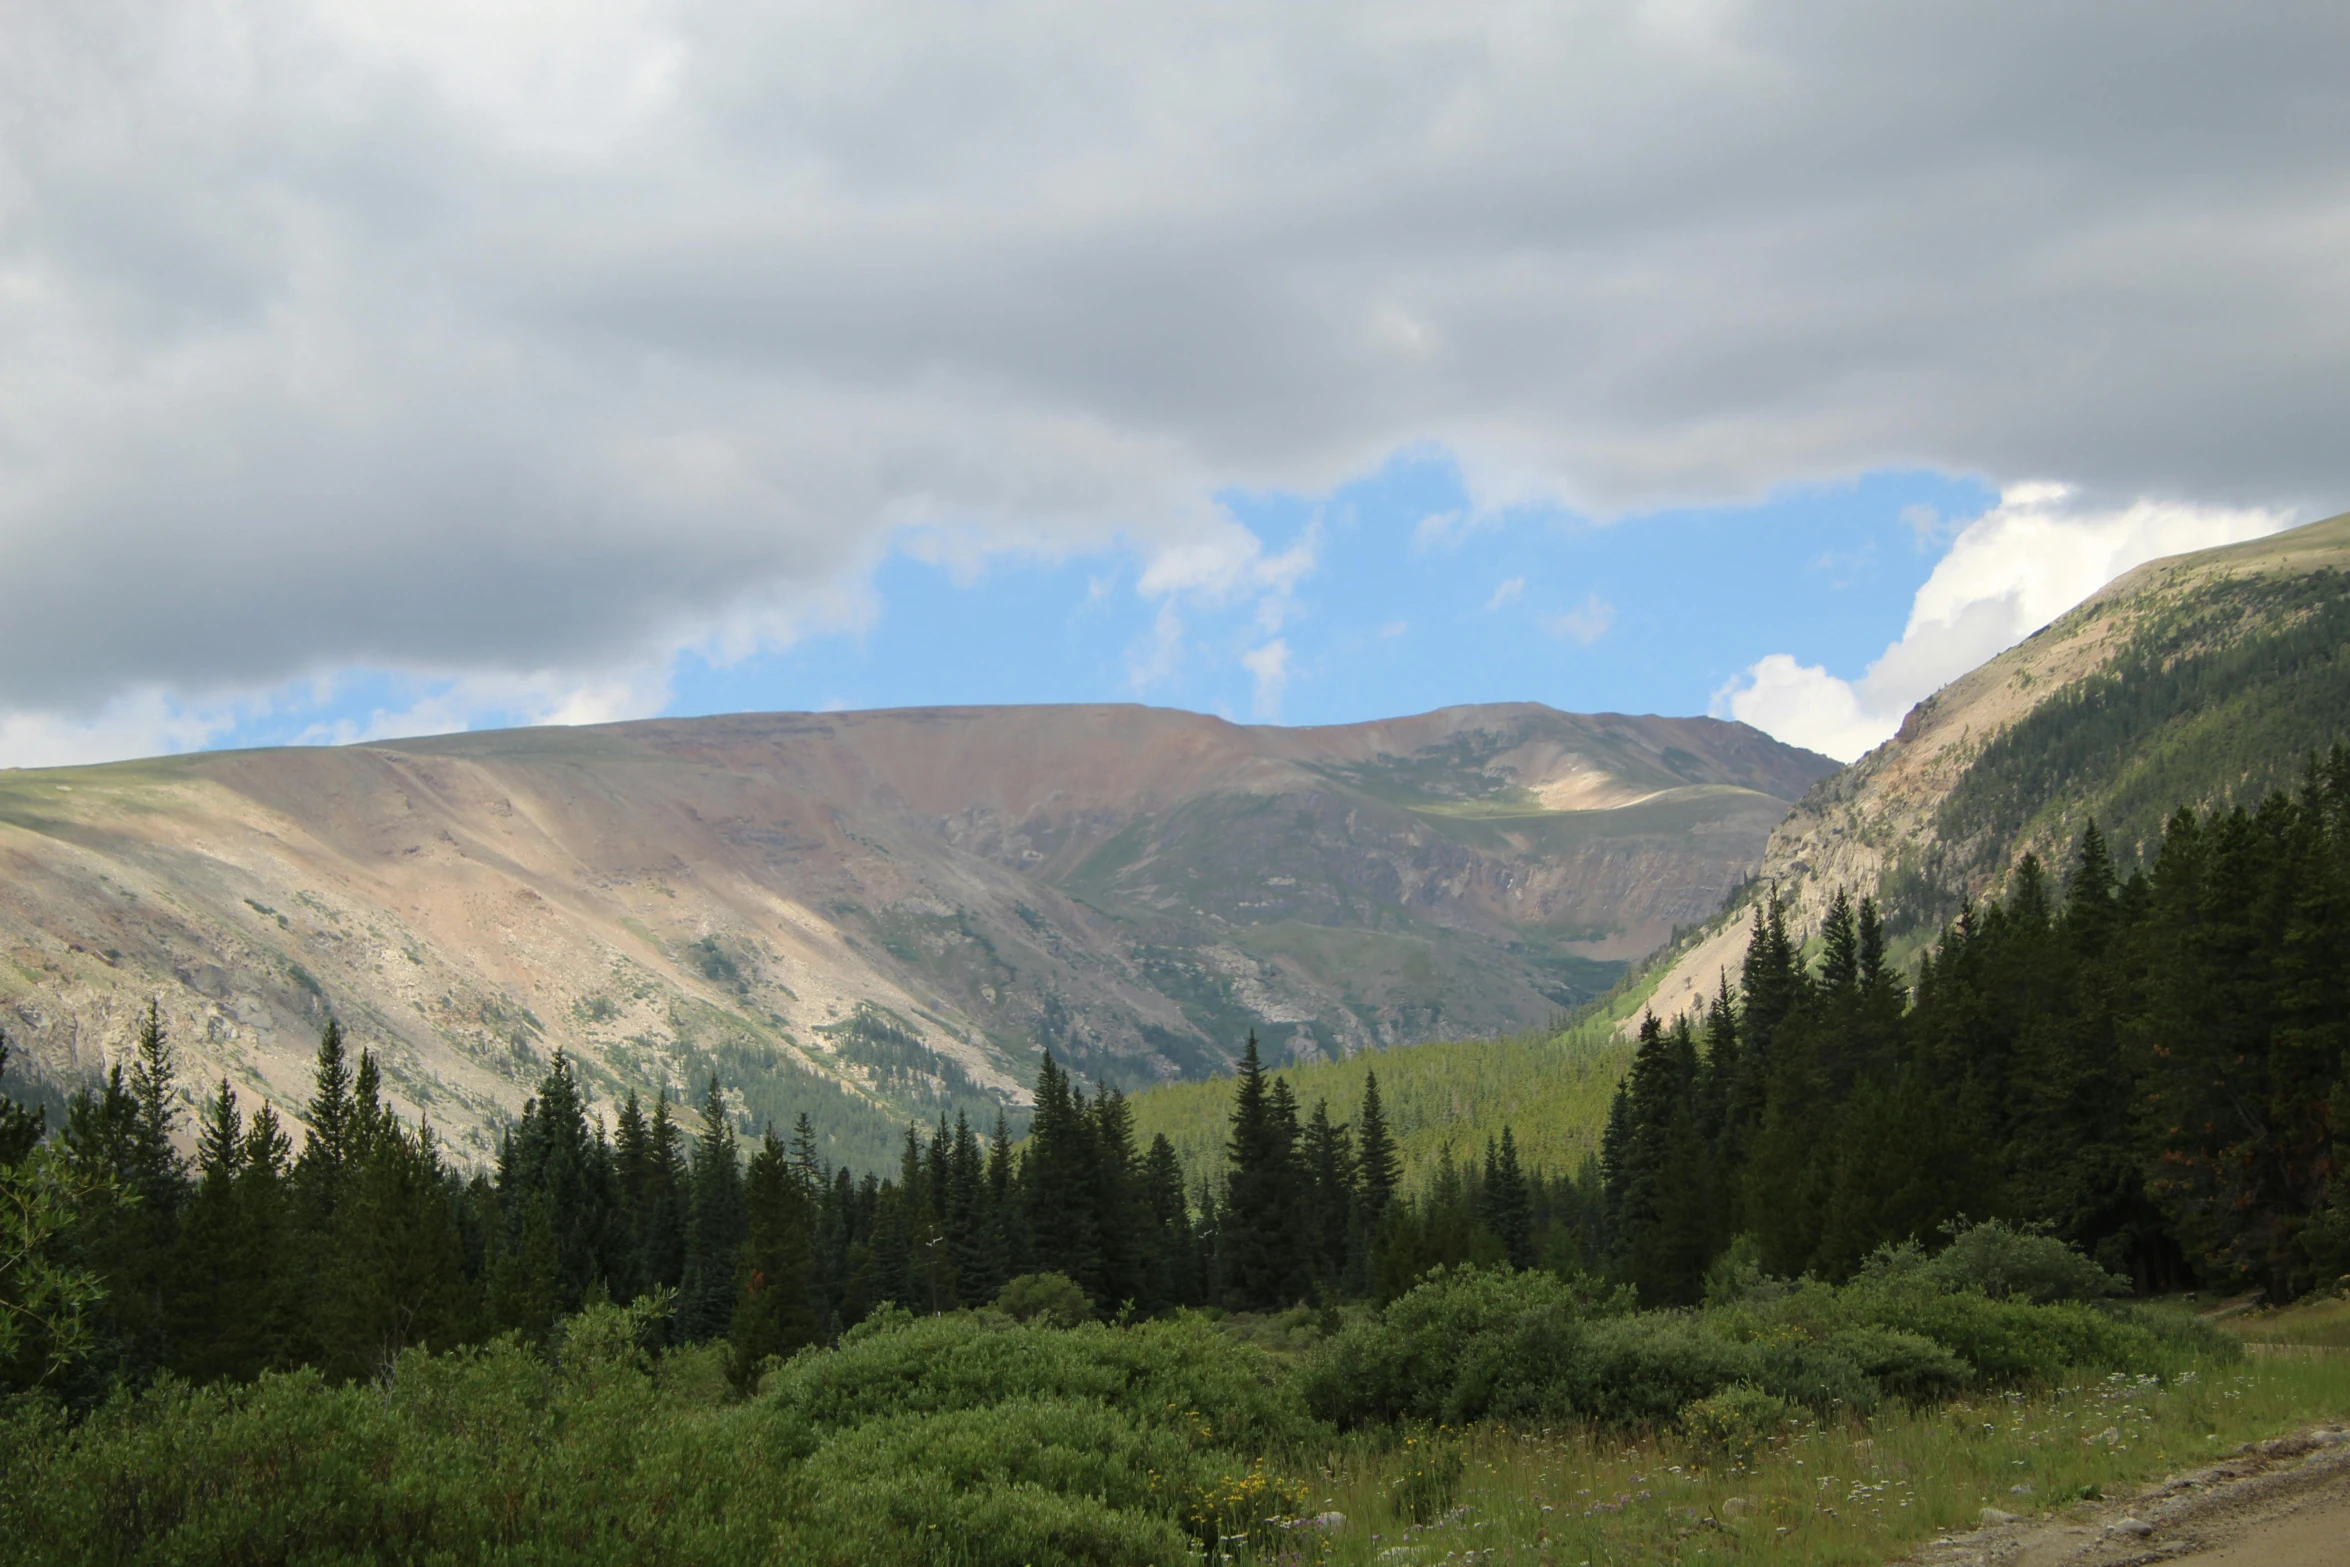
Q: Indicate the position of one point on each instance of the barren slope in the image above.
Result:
(862, 915)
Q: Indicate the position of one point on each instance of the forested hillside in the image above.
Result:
(2202, 679)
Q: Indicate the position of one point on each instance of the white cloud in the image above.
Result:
(1269, 667)
(1510, 590)
(143, 722)
(1394, 628)
(1586, 623)
(2008, 573)
(506, 337)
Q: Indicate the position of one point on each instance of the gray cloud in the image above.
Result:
(511, 337)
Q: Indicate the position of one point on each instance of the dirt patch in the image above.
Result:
(2283, 1503)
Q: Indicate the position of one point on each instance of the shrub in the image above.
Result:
(1030, 1480)
(1469, 1345)
(1179, 1369)
(2021, 1265)
(1734, 1424)
(1054, 1299)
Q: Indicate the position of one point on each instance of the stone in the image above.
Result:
(1996, 1515)
(2136, 1528)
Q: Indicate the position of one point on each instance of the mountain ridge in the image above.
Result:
(869, 916)
(1884, 825)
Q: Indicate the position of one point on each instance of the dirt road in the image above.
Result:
(2284, 1503)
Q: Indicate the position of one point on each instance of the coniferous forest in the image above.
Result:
(1840, 1193)
(2154, 1069)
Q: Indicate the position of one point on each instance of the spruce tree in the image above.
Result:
(1173, 1246)
(972, 1244)
(1327, 1159)
(1057, 1178)
(1117, 1204)
(1508, 1203)
(1380, 1165)
(774, 1314)
(1260, 1248)
(715, 1229)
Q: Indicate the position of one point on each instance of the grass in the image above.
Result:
(2314, 1323)
(1550, 1089)
(1861, 1491)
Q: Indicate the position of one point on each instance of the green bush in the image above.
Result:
(2001, 1262)
(1053, 1300)
(1734, 1424)
(1030, 1480)
(1177, 1369)
(1468, 1344)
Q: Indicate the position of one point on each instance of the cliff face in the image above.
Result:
(2200, 679)
(863, 916)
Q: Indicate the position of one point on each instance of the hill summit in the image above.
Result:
(864, 916)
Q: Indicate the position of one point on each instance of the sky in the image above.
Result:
(372, 370)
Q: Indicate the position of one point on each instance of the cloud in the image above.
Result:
(1269, 667)
(1586, 623)
(487, 340)
(1510, 591)
(1394, 628)
(2008, 573)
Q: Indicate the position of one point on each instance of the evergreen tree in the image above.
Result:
(1057, 1184)
(1508, 1204)
(1172, 1249)
(1260, 1250)
(1328, 1169)
(1117, 1207)
(395, 1274)
(319, 1170)
(1380, 1165)
(774, 1314)
(716, 1227)
(973, 1246)
(553, 1172)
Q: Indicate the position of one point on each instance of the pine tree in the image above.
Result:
(1173, 1248)
(395, 1276)
(972, 1244)
(1057, 1183)
(319, 1170)
(774, 1313)
(1117, 1206)
(1381, 1166)
(554, 1171)
(1259, 1243)
(715, 1229)
(1508, 1204)
(205, 1286)
(1327, 1160)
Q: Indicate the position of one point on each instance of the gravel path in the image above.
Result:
(2284, 1503)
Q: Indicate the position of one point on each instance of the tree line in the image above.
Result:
(2156, 1069)
(250, 1256)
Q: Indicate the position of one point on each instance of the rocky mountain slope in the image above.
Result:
(865, 915)
(2202, 678)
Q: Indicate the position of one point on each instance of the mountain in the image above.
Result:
(865, 916)
(2203, 679)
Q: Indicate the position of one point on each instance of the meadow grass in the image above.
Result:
(1864, 1490)
(2314, 1323)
